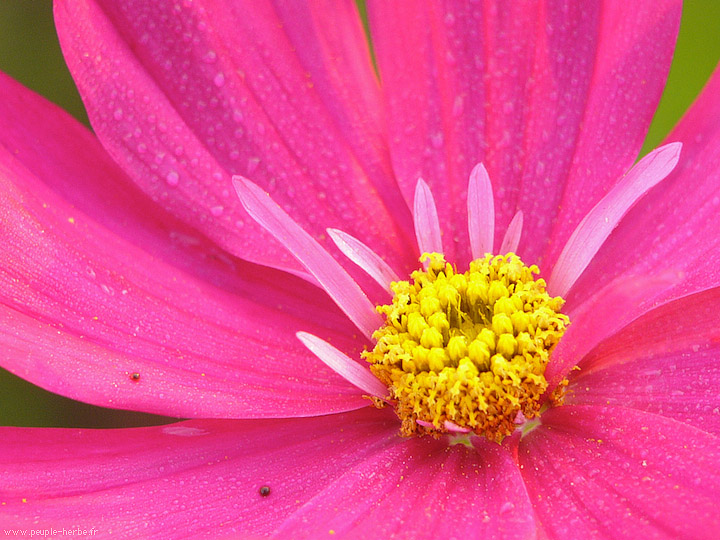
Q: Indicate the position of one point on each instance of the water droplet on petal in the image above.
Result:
(216, 210)
(118, 114)
(219, 80)
(252, 164)
(172, 178)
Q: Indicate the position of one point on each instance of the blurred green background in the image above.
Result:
(30, 53)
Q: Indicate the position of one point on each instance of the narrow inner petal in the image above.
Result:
(427, 224)
(333, 278)
(343, 365)
(511, 240)
(364, 257)
(597, 225)
(481, 212)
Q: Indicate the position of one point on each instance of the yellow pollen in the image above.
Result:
(469, 349)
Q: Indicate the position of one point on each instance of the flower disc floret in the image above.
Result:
(467, 350)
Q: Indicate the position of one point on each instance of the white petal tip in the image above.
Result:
(343, 365)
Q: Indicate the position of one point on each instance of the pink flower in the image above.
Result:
(133, 276)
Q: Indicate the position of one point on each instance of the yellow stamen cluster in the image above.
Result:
(469, 349)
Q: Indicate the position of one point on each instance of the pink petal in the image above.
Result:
(427, 226)
(283, 93)
(202, 478)
(333, 278)
(344, 366)
(481, 212)
(554, 99)
(511, 240)
(613, 307)
(675, 228)
(364, 257)
(420, 488)
(83, 310)
(665, 363)
(604, 472)
(597, 225)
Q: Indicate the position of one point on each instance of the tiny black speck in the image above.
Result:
(265, 491)
(135, 377)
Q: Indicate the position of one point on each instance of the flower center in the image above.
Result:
(467, 352)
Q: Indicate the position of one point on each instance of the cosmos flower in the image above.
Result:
(258, 183)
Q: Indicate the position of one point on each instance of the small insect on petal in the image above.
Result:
(264, 491)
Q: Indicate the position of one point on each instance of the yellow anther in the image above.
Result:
(507, 345)
(469, 348)
(437, 359)
(457, 348)
(501, 324)
(431, 337)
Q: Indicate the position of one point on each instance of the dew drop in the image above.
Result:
(219, 80)
(437, 140)
(506, 508)
(252, 164)
(118, 114)
(172, 178)
(216, 211)
(210, 57)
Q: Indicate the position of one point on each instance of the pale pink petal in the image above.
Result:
(185, 95)
(333, 278)
(611, 472)
(665, 362)
(675, 228)
(420, 488)
(450, 426)
(195, 479)
(481, 212)
(82, 311)
(344, 366)
(427, 226)
(614, 306)
(597, 225)
(511, 240)
(364, 257)
(554, 98)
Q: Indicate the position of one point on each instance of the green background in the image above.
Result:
(30, 53)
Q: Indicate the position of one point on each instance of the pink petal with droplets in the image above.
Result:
(252, 88)
(339, 285)
(427, 226)
(612, 472)
(202, 478)
(675, 228)
(341, 364)
(665, 363)
(597, 225)
(555, 100)
(481, 212)
(511, 240)
(59, 152)
(364, 257)
(421, 488)
(82, 310)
